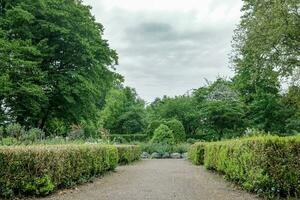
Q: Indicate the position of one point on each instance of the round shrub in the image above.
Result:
(177, 130)
(163, 134)
(152, 126)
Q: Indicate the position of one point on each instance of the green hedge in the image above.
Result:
(128, 153)
(38, 170)
(268, 165)
(125, 138)
(196, 153)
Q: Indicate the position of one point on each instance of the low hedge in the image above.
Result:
(125, 138)
(196, 153)
(128, 153)
(39, 170)
(267, 165)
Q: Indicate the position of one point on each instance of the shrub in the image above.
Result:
(268, 165)
(152, 127)
(163, 134)
(128, 153)
(125, 138)
(38, 170)
(33, 135)
(8, 141)
(177, 130)
(164, 148)
(76, 132)
(15, 130)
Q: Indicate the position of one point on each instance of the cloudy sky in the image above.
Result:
(167, 47)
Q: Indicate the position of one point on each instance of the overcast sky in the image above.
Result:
(167, 47)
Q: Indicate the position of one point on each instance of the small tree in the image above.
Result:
(177, 130)
(163, 134)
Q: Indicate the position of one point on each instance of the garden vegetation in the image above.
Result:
(41, 169)
(267, 165)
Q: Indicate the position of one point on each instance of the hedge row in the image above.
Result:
(39, 170)
(128, 153)
(267, 165)
(124, 138)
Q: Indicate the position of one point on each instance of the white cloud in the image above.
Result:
(169, 46)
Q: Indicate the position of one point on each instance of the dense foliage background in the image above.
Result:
(57, 78)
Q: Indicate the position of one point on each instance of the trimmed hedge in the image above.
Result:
(128, 153)
(267, 165)
(128, 137)
(196, 153)
(38, 170)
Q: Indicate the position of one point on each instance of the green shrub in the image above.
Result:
(164, 148)
(15, 130)
(128, 153)
(38, 170)
(33, 135)
(125, 138)
(8, 141)
(153, 125)
(268, 165)
(177, 130)
(163, 134)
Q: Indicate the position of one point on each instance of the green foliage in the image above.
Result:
(128, 153)
(264, 51)
(268, 165)
(123, 111)
(196, 153)
(182, 108)
(267, 38)
(221, 112)
(163, 134)
(33, 135)
(152, 126)
(54, 64)
(164, 148)
(40, 186)
(38, 170)
(127, 138)
(15, 130)
(177, 130)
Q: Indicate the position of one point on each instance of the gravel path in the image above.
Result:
(156, 180)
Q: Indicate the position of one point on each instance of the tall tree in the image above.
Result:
(266, 49)
(54, 62)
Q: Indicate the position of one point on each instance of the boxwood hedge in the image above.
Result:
(128, 153)
(268, 165)
(38, 170)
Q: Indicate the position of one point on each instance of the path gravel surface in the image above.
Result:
(168, 179)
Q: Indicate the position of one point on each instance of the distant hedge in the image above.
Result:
(128, 153)
(124, 138)
(267, 165)
(38, 170)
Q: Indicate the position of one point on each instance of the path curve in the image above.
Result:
(167, 179)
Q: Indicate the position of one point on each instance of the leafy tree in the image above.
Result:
(221, 112)
(265, 49)
(123, 111)
(163, 134)
(267, 37)
(181, 108)
(54, 63)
